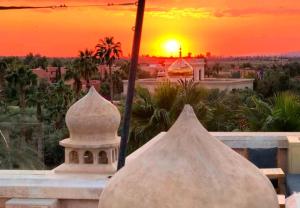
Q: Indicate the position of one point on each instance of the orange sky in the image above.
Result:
(235, 27)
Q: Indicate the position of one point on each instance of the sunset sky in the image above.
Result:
(223, 27)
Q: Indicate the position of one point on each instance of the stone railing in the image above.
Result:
(241, 141)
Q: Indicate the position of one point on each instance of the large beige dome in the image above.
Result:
(188, 168)
(93, 120)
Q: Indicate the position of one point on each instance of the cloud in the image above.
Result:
(179, 12)
(256, 11)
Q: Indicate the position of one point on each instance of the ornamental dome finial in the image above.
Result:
(93, 118)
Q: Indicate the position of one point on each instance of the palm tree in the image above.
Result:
(256, 111)
(285, 113)
(280, 114)
(87, 65)
(15, 154)
(17, 147)
(154, 113)
(3, 71)
(73, 72)
(107, 51)
(38, 99)
(58, 64)
(22, 79)
(60, 97)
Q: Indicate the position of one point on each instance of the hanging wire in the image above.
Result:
(66, 6)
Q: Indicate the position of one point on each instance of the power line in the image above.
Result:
(66, 6)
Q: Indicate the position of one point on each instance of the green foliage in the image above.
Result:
(293, 69)
(256, 111)
(86, 65)
(246, 65)
(60, 97)
(279, 114)
(74, 73)
(3, 71)
(107, 52)
(35, 61)
(22, 80)
(273, 81)
(285, 113)
(15, 154)
(16, 151)
(54, 153)
(153, 113)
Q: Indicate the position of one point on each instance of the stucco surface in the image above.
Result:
(188, 167)
(92, 119)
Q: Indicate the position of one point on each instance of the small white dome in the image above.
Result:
(93, 120)
(189, 168)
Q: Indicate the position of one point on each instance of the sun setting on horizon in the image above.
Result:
(172, 47)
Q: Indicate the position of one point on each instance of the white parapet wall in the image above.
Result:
(83, 190)
(209, 83)
(236, 140)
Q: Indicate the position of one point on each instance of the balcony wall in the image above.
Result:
(83, 190)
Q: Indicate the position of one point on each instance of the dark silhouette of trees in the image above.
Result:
(107, 51)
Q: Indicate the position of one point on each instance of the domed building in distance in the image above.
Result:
(182, 69)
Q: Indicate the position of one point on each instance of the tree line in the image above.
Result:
(32, 111)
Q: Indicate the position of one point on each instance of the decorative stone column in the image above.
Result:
(93, 123)
(199, 71)
(202, 69)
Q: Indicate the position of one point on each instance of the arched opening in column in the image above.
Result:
(102, 159)
(73, 157)
(88, 157)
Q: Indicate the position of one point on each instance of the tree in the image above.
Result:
(18, 148)
(73, 72)
(38, 97)
(107, 51)
(285, 113)
(14, 155)
(87, 65)
(154, 113)
(35, 61)
(58, 64)
(22, 79)
(273, 81)
(3, 71)
(256, 111)
(59, 99)
(217, 68)
(280, 114)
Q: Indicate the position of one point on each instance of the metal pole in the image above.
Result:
(131, 82)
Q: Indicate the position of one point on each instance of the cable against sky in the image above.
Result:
(66, 6)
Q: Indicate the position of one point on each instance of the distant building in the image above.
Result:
(194, 69)
(50, 73)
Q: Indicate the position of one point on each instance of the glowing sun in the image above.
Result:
(172, 46)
